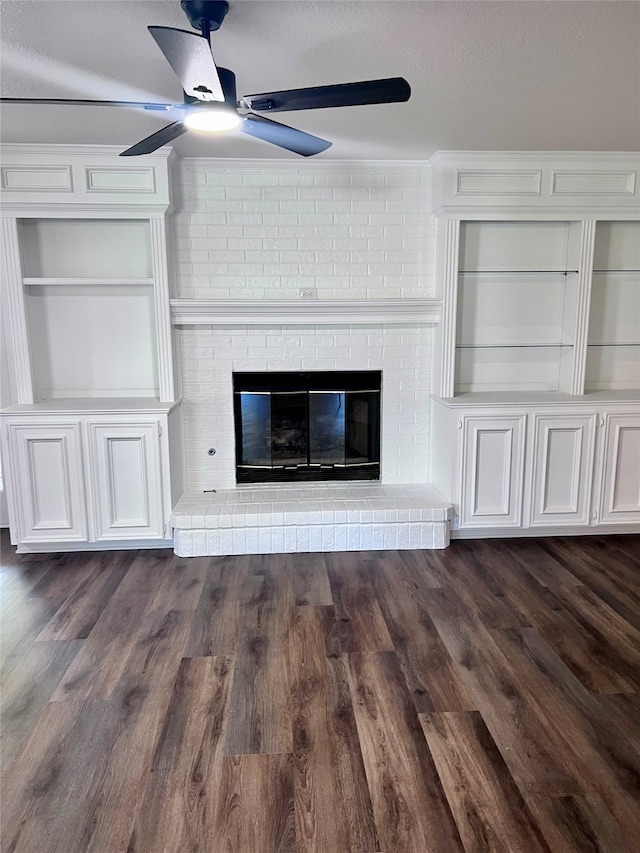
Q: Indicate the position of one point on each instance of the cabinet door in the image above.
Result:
(620, 495)
(492, 468)
(563, 447)
(127, 480)
(47, 482)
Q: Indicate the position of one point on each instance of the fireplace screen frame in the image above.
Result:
(279, 443)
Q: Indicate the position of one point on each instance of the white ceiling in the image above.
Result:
(512, 75)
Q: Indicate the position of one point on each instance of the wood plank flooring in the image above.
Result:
(482, 698)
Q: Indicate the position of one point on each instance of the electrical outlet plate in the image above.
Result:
(308, 293)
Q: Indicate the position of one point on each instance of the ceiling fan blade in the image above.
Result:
(156, 140)
(281, 134)
(90, 103)
(189, 54)
(391, 90)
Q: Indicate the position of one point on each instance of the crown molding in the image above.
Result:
(59, 150)
(241, 164)
(448, 156)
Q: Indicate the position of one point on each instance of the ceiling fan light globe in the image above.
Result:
(212, 118)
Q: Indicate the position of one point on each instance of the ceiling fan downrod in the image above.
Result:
(205, 15)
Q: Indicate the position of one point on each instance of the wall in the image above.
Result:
(255, 231)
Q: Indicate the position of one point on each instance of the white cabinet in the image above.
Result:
(49, 501)
(127, 479)
(538, 268)
(92, 447)
(492, 470)
(561, 469)
(620, 489)
(539, 468)
(91, 479)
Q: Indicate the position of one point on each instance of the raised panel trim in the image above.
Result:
(602, 185)
(502, 183)
(105, 180)
(108, 527)
(612, 507)
(66, 521)
(576, 512)
(574, 488)
(543, 507)
(605, 183)
(37, 179)
(505, 504)
(143, 520)
(22, 482)
(509, 514)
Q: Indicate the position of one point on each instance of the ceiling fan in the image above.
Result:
(210, 102)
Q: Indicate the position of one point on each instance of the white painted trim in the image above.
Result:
(585, 275)
(568, 157)
(244, 165)
(554, 213)
(448, 246)
(12, 275)
(112, 545)
(354, 312)
(162, 289)
(92, 406)
(20, 209)
(61, 150)
(538, 532)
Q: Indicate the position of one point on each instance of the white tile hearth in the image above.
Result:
(310, 517)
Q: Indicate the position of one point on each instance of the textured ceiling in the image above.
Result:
(485, 75)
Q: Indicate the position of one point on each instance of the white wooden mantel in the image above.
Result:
(192, 312)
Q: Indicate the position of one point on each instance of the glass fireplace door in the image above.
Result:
(302, 426)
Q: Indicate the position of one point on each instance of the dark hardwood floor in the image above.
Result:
(486, 697)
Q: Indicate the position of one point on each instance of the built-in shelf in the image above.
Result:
(538, 398)
(514, 346)
(93, 405)
(518, 272)
(425, 312)
(616, 344)
(84, 282)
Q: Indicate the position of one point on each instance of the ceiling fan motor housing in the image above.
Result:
(205, 15)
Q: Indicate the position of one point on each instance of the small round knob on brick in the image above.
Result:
(211, 451)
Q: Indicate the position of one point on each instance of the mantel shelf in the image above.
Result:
(424, 312)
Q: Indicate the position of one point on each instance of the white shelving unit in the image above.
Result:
(517, 290)
(536, 391)
(89, 299)
(92, 445)
(613, 346)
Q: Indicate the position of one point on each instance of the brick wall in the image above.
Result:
(247, 231)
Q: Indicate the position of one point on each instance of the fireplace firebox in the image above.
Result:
(307, 426)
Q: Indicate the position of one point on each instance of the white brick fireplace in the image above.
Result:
(249, 237)
(211, 354)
